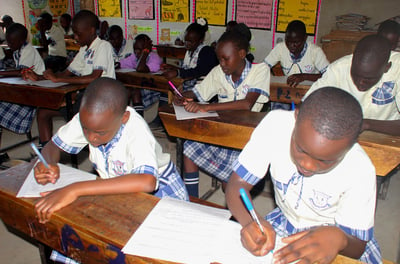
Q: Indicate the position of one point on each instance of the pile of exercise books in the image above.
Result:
(351, 21)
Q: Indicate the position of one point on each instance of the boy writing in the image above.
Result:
(373, 79)
(122, 148)
(300, 60)
(93, 60)
(326, 205)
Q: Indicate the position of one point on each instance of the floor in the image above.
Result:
(14, 249)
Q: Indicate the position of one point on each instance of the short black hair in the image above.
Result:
(198, 29)
(47, 17)
(389, 26)
(142, 37)
(67, 16)
(333, 112)
(372, 48)
(87, 17)
(115, 28)
(297, 26)
(240, 35)
(105, 94)
(18, 30)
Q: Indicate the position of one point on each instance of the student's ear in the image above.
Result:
(125, 117)
(242, 53)
(388, 66)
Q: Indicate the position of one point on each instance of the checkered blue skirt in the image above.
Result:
(216, 161)
(284, 228)
(15, 117)
(171, 184)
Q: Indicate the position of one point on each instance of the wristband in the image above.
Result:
(146, 50)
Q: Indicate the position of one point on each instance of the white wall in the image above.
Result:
(12, 8)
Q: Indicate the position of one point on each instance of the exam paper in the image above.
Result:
(186, 232)
(283, 79)
(68, 175)
(182, 114)
(42, 83)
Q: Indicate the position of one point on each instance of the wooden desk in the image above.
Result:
(281, 92)
(155, 82)
(93, 229)
(71, 44)
(171, 51)
(233, 129)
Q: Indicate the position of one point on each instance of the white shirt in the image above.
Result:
(2, 55)
(345, 195)
(381, 102)
(125, 51)
(312, 59)
(215, 83)
(135, 151)
(97, 57)
(28, 56)
(57, 43)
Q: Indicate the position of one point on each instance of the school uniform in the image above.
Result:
(344, 197)
(124, 52)
(57, 52)
(96, 57)
(15, 117)
(153, 62)
(312, 59)
(197, 64)
(132, 150)
(381, 102)
(215, 160)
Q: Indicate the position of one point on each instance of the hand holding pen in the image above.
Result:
(45, 172)
(179, 99)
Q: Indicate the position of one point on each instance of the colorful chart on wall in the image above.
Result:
(213, 11)
(174, 10)
(109, 8)
(58, 7)
(141, 9)
(254, 13)
(304, 10)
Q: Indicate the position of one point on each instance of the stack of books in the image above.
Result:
(351, 21)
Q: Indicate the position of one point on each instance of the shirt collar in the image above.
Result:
(301, 55)
(106, 149)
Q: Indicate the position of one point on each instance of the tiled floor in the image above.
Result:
(15, 250)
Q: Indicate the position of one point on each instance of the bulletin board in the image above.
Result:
(304, 10)
(174, 11)
(255, 13)
(109, 8)
(141, 9)
(214, 11)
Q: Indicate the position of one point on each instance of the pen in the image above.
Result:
(27, 69)
(250, 208)
(175, 89)
(293, 106)
(40, 156)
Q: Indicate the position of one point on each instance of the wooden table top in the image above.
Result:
(33, 95)
(93, 229)
(171, 51)
(280, 91)
(233, 129)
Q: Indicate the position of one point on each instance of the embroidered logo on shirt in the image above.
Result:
(320, 200)
(383, 95)
(118, 167)
(308, 68)
(245, 89)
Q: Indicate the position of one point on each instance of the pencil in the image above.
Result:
(250, 208)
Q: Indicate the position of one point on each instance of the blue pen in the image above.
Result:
(40, 156)
(250, 208)
(293, 106)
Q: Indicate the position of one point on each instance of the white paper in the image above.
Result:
(182, 114)
(125, 70)
(283, 79)
(42, 83)
(186, 232)
(68, 175)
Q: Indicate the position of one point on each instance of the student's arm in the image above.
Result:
(206, 61)
(43, 39)
(294, 79)
(10, 73)
(244, 104)
(69, 77)
(55, 200)
(391, 127)
(320, 245)
(252, 239)
(51, 154)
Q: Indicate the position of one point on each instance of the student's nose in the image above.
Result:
(308, 165)
(91, 137)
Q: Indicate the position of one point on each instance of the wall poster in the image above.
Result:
(254, 13)
(141, 9)
(174, 11)
(304, 10)
(109, 8)
(213, 10)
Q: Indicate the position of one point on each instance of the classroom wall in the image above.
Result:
(262, 39)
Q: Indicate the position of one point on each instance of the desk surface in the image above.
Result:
(32, 95)
(171, 51)
(280, 91)
(92, 230)
(149, 81)
(233, 129)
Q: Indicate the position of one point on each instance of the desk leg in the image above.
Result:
(45, 253)
(70, 115)
(179, 155)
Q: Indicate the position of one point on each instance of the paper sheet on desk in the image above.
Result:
(68, 175)
(42, 83)
(283, 79)
(190, 233)
(182, 114)
(134, 70)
